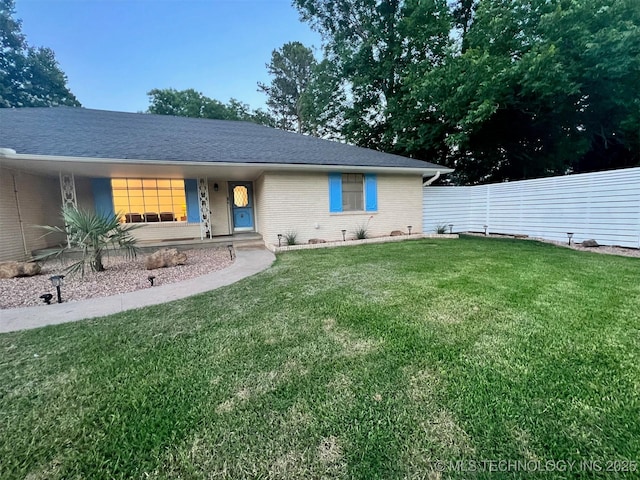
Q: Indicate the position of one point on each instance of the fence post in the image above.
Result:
(487, 220)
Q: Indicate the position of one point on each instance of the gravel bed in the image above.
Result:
(625, 252)
(606, 249)
(121, 276)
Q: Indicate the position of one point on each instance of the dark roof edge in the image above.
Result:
(427, 169)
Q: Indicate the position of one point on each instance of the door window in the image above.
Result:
(240, 196)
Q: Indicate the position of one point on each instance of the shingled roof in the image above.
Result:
(80, 132)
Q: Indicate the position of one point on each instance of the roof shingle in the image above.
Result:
(80, 132)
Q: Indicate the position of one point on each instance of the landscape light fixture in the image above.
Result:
(570, 235)
(344, 235)
(151, 278)
(230, 247)
(57, 281)
(450, 228)
(485, 229)
(215, 187)
(409, 227)
(279, 239)
(46, 298)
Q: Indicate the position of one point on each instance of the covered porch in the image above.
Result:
(175, 204)
(167, 209)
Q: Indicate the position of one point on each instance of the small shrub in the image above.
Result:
(442, 228)
(291, 237)
(362, 231)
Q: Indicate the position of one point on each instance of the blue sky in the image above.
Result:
(115, 51)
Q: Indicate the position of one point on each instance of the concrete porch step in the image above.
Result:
(239, 241)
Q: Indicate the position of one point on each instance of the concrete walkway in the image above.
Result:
(247, 263)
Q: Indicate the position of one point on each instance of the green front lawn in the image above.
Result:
(363, 362)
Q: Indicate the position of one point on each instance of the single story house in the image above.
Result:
(188, 178)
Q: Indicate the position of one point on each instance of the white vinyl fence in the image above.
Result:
(604, 206)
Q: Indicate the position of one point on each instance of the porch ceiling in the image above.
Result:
(139, 169)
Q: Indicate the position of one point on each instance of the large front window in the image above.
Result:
(149, 200)
(352, 192)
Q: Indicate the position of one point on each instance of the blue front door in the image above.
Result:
(242, 206)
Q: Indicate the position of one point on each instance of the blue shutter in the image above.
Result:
(335, 192)
(371, 192)
(193, 205)
(102, 196)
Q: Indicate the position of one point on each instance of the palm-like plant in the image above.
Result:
(93, 234)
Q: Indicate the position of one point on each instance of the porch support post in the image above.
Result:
(68, 190)
(205, 212)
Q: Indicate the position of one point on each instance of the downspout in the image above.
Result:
(432, 179)
(24, 240)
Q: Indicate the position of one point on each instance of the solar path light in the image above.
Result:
(57, 281)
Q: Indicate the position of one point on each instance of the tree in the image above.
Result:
(93, 235)
(262, 117)
(498, 89)
(29, 77)
(494, 102)
(186, 103)
(463, 12)
(543, 88)
(321, 102)
(191, 103)
(373, 46)
(569, 89)
(291, 67)
(599, 45)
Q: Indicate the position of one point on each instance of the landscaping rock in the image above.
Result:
(397, 233)
(313, 241)
(167, 257)
(19, 269)
(590, 243)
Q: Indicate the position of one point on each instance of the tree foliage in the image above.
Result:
(29, 77)
(191, 103)
(373, 46)
(498, 89)
(547, 88)
(321, 103)
(291, 67)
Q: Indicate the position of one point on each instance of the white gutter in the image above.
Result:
(10, 155)
(433, 179)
